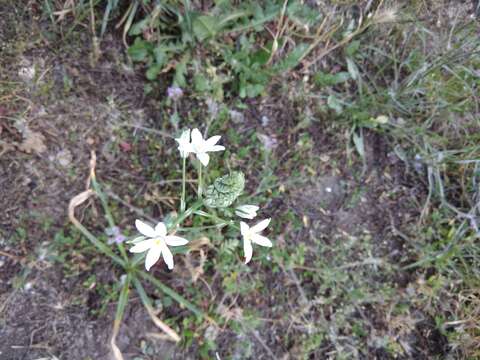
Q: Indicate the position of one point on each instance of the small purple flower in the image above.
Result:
(174, 92)
(114, 235)
(269, 143)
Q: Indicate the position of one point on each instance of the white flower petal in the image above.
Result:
(247, 211)
(184, 145)
(185, 149)
(142, 246)
(216, 148)
(152, 257)
(175, 241)
(262, 225)
(167, 257)
(248, 250)
(261, 240)
(185, 137)
(145, 229)
(204, 158)
(248, 208)
(136, 240)
(197, 138)
(161, 229)
(212, 141)
(244, 228)
(245, 215)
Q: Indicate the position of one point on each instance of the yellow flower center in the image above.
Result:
(248, 235)
(158, 241)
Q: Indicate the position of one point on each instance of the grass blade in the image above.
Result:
(148, 305)
(173, 294)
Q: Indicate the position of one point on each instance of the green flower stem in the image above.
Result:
(217, 219)
(108, 214)
(200, 185)
(217, 226)
(182, 200)
(196, 205)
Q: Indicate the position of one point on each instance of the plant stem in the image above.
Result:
(196, 205)
(182, 200)
(199, 191)
(219, 220)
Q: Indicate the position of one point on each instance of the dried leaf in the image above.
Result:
(117, 354)
(76, 201)
(195, 271)
(165, 328)
(33, 142)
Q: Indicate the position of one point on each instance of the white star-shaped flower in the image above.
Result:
(251, 235)
(156, 242)
(201, 146)
(247, 211)
(184, 145)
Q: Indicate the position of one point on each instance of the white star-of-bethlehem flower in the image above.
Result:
(247, 211)
(156, 242)
(184, 145)
(251, 235)
(201, 146)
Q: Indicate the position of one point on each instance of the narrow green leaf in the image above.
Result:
(334, 104)
(323, 79)
(123, 299)
(100, 245)
(111, 5)
(353, 69)
(172, 293)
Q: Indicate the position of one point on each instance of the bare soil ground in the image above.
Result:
(57, 105)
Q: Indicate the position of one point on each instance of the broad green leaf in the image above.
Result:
(293, 58)
(254, 90)
(352, 48)
(181, 70)
(205, 27)
(334, 104)
(139, 50)
(225, 190)
(153, 71)
(201, 83)
(160, 55)
(138, 27)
